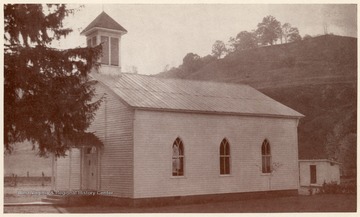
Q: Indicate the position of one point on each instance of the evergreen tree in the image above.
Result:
(48, 97)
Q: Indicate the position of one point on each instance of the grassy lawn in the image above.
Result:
(315, 203)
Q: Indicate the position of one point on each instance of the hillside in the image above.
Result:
(317, 77)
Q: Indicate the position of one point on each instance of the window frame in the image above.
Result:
(114, 59)
(93, 41)
(181, 157)
(266, 158)
(224, 158)
(111, 54)
(105, 58)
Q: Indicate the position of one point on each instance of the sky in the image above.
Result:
(162, 34)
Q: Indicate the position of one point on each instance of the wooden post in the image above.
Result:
(98, 169)
(70, 151)
(81, 166)
(52, 171)
(42, 179)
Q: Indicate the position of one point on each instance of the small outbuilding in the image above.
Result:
(316, 172)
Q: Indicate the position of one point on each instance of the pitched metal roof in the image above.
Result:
(319, 160)
(154, 93)
(104, 21)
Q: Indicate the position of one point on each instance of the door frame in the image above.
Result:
(313, 174)
(83, 177)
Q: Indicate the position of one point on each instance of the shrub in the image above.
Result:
(348, 187)
(330, 188)
(334, 188)
(311, 191)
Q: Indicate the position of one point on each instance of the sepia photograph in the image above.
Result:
(180, 108)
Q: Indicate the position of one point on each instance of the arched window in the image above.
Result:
(178, 158)
(224, 157)
(266, 157)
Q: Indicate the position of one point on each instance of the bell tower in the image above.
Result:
(106, 31)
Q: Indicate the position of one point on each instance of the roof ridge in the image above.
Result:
(186, 79)
(202, 95)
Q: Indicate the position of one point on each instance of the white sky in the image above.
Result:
(160, 34)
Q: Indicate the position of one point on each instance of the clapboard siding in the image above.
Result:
(62, 173)
(68, 171)
(202, 134)
(75, 169)
(116, 132)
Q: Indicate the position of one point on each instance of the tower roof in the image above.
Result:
(104, 21)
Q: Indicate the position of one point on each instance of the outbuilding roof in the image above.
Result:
(319, 160)
(169, 94)
(104, 21)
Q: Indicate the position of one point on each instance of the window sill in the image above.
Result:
(113, 66)
(178, 177)
(225, 175)
(266, 174)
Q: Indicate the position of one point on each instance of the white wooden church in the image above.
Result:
(172, 137)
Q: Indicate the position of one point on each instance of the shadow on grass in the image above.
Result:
(315, 203)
